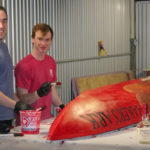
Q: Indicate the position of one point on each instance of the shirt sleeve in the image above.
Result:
(23, 76)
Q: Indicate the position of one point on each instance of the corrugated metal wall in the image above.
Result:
(142, 37)
(78, 26)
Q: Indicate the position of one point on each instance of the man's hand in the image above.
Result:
(44, 89)
(21, 106)
(60, 107)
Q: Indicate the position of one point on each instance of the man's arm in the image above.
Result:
(30, 98)
(55, 98)
(6, 101)
(25, 97)
(15, 105)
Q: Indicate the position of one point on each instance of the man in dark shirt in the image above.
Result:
(8, 105)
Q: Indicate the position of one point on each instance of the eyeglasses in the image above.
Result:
(3, 21)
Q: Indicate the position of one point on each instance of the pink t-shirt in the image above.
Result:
(30, 74)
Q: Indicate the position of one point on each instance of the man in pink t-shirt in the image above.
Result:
(35, 72)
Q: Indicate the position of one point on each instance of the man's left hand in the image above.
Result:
(21, 106)
(60, 107)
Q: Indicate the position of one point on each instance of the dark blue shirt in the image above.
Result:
(6, 80)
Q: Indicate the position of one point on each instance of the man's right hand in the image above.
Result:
(21, 106)
(44, 89)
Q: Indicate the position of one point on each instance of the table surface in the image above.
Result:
(123, 139)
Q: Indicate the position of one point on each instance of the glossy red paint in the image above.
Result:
(97, 111)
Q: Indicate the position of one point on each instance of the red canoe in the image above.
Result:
(97, 111)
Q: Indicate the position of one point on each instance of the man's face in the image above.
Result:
(42, 43)
(3, 25)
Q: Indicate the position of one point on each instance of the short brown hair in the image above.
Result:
(44, 28)
(3, 9)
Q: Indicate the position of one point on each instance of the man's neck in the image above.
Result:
(38, 56)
